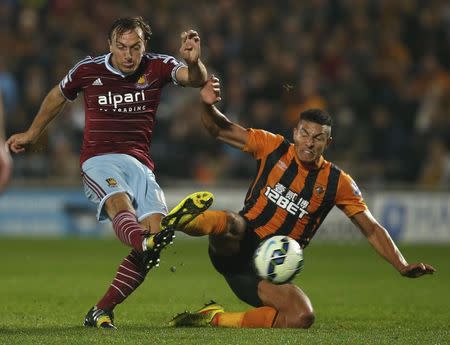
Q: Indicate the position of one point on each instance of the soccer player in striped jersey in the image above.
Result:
(293, 191)
(121, 92)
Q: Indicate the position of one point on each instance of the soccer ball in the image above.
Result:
(278, 259)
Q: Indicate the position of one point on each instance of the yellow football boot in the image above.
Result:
(199, 318)
(189, 208)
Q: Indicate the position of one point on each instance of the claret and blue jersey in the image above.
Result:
(120, 109)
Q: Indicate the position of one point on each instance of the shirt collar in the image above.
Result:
(111, 68)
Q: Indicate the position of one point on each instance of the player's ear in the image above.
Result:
(295, 132)
(329, 140)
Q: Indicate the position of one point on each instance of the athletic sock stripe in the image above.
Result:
(127, 259)
(131, 232)
(125, 296)
(124, 283)
(118, 227)
(124, 214)
(128, 230)
(129, 277)
(131, 262)
(122, 218)
(139, 276)
(129, 273)
(119, 219)
(126, 226)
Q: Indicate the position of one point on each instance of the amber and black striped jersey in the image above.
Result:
(286, 198)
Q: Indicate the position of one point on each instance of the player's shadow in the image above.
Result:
(66, 330)
(36, 330)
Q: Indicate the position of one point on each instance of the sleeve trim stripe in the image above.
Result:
(174, 73)
(74, 68)
(62, 93)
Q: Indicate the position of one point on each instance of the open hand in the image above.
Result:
(190, 46)
(210, 92)
(417, 270)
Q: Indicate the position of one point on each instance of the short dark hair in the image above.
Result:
(122, 25)
(317, 116)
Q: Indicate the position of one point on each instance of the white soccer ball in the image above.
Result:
(278, 259)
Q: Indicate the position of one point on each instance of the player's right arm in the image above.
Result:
(218, 124)
(51, 106)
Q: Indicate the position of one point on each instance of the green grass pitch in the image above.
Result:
(47, 285)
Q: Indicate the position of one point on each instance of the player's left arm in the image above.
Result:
(195, 74)
(380, 239)
(349, 199)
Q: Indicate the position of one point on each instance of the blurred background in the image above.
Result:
(380, 67)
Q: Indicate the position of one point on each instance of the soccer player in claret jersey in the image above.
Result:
(121, 91)
(308, 187)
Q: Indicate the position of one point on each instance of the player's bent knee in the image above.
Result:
(305, 320)
(116, 203)
(235, 225)
(295, 320)
(293, 305)
(228, 242)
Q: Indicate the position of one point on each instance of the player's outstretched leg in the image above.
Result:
(130, 274)
(214, 315)
(187, 210)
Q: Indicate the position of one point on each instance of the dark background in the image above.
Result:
(381, 68)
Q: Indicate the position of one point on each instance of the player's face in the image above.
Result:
(127, 50)
(311, 139)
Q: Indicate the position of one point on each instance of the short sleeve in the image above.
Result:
(260, 143)
(72, 83)
(349, 198)
(168, 68)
